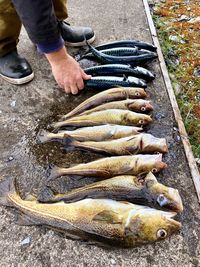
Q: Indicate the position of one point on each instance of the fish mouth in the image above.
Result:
(177, 204)
(149, 107)
(163, 165)
(168, 216)
(162, 143)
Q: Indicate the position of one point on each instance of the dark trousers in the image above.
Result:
(10, 24)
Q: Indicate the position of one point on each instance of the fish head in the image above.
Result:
(144, 119)
(150, 163)
(137, 92)
(149, 225)
(165, 197)
(146, 106)
(154, 144)
(139, 119)
(140, 104)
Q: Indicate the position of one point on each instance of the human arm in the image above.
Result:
(67, 72)
(40, 22)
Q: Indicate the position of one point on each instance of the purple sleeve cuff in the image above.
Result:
(50, 47)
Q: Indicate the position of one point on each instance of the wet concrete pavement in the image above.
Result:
(26, 109)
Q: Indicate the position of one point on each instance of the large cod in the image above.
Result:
(102, 221)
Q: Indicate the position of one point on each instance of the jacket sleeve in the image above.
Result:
(38, 17)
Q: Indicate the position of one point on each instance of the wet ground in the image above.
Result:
(26, 109)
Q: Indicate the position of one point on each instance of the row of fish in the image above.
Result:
(122, 62)
(112, 210)
(111, 122)
(112, 119)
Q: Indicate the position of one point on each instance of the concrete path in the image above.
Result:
(24, 110)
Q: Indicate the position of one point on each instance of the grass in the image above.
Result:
(180, 45)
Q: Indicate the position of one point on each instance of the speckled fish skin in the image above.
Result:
(107, 82)
(110, 116)
(105, 220)
(145, 191)
(134, 60)
(117, 51)
(112, 166)
(127, 43)
(118, 93)
(95, 133)
(120, 69)
(135, 144)
(136, 105)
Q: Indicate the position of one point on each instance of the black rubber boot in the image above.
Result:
(15, 69)
(75, 36)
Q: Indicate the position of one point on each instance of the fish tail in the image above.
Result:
(58, 125)
(69, 142)
(42, 137)
(6, 186)
(53, 172)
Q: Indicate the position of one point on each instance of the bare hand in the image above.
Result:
(67, 72)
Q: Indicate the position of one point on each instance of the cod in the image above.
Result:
(101, 221)
(138, 190)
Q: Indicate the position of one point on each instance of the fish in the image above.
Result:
(107, 82)
(136, 105)
(134, 60)
(103, 222)
(127, 43)
(120, 69)
(118, 93)
(117, 51)
(135, 144)
(109, 116)
(111, 166)
(95, 133)
(138, 190)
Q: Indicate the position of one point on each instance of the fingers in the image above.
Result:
(85, 76)
(74, 89)
(80, 83)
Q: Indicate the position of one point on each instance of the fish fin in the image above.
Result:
(125, 77)
(6, 187)
(45, 195)
(69, 143)
(42, 137)
(30, 197)
(108, 216)
(52, 172)
(22, 219)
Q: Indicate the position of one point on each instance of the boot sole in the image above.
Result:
(18, 81)
(83, 43)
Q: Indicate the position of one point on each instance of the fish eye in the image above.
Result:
(154, 170)
(143, 108)
(162, 200)
(141, 122)
(162, 233)
(137, 93)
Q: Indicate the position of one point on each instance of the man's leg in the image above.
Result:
(73, 36)
(60, 7)
(10, 27)
(13, 68)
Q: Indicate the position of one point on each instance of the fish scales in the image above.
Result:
(136, 105)
(108, 221)
(135, 144)
(95, 133)
(118, 93)
(112, 166)
(110, 116)
(146, 190)
(107, 82)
